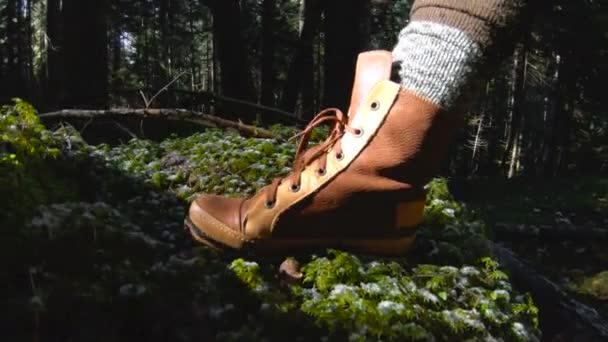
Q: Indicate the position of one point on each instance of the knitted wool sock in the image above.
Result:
(448, 42)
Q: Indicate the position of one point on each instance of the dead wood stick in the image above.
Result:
(169, 114)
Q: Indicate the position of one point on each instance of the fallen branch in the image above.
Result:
(208, 96)
(558, 311)
(169, 114)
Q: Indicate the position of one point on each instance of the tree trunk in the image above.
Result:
(165, 36)
(268, 27)
(195, 77)
(344, 39)
(29, 55)
(558, 123)
(85, 52)
(300, 76)
(116, 63)
(235, 77)
(14, 81)
(517, 103)
(54, 77)
(564, 137)
(365, 26)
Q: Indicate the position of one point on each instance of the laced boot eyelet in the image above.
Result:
(321, 172)
(375, 105)
(358, 132)
(294, 187)
(269, 204)
(339, 156)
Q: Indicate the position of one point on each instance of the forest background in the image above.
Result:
(542, 114)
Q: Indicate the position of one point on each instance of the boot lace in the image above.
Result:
(303, 158)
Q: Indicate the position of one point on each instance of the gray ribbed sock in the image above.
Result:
(437, 61)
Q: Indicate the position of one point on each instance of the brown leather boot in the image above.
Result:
(361, 189)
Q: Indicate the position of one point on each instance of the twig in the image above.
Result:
(124, 129)
(149, 102)
(85, 126)
(143, 96)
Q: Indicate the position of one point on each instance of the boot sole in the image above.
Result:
(389, 246)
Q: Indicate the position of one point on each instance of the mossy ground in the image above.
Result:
(93, 249)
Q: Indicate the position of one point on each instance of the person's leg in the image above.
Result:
(363, 187)
(449, 42)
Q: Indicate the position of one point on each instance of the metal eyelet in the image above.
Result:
(375, 105)
(358, 132)
(269, 204)
(321, 172)
(339, 156)
(294, 187)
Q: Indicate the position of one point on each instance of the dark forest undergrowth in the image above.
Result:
(93, 249)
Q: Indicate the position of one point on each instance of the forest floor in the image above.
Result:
(93, 249)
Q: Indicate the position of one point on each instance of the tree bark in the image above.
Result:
(54, 77)
(195, 76)
(165, 36)
(268, 27)
(117, 56)
(550, 122)
(343, 42)
(28, 51)
(558, 123)
(235, 77)
(517, 103)
(14, 82)
(85, 53)
(300, 76)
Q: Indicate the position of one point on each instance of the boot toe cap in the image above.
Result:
(215, 220)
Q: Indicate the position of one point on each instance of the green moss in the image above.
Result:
(371, 299)
(391, 301)
(596, 286)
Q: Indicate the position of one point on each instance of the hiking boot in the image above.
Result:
(361, 189)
